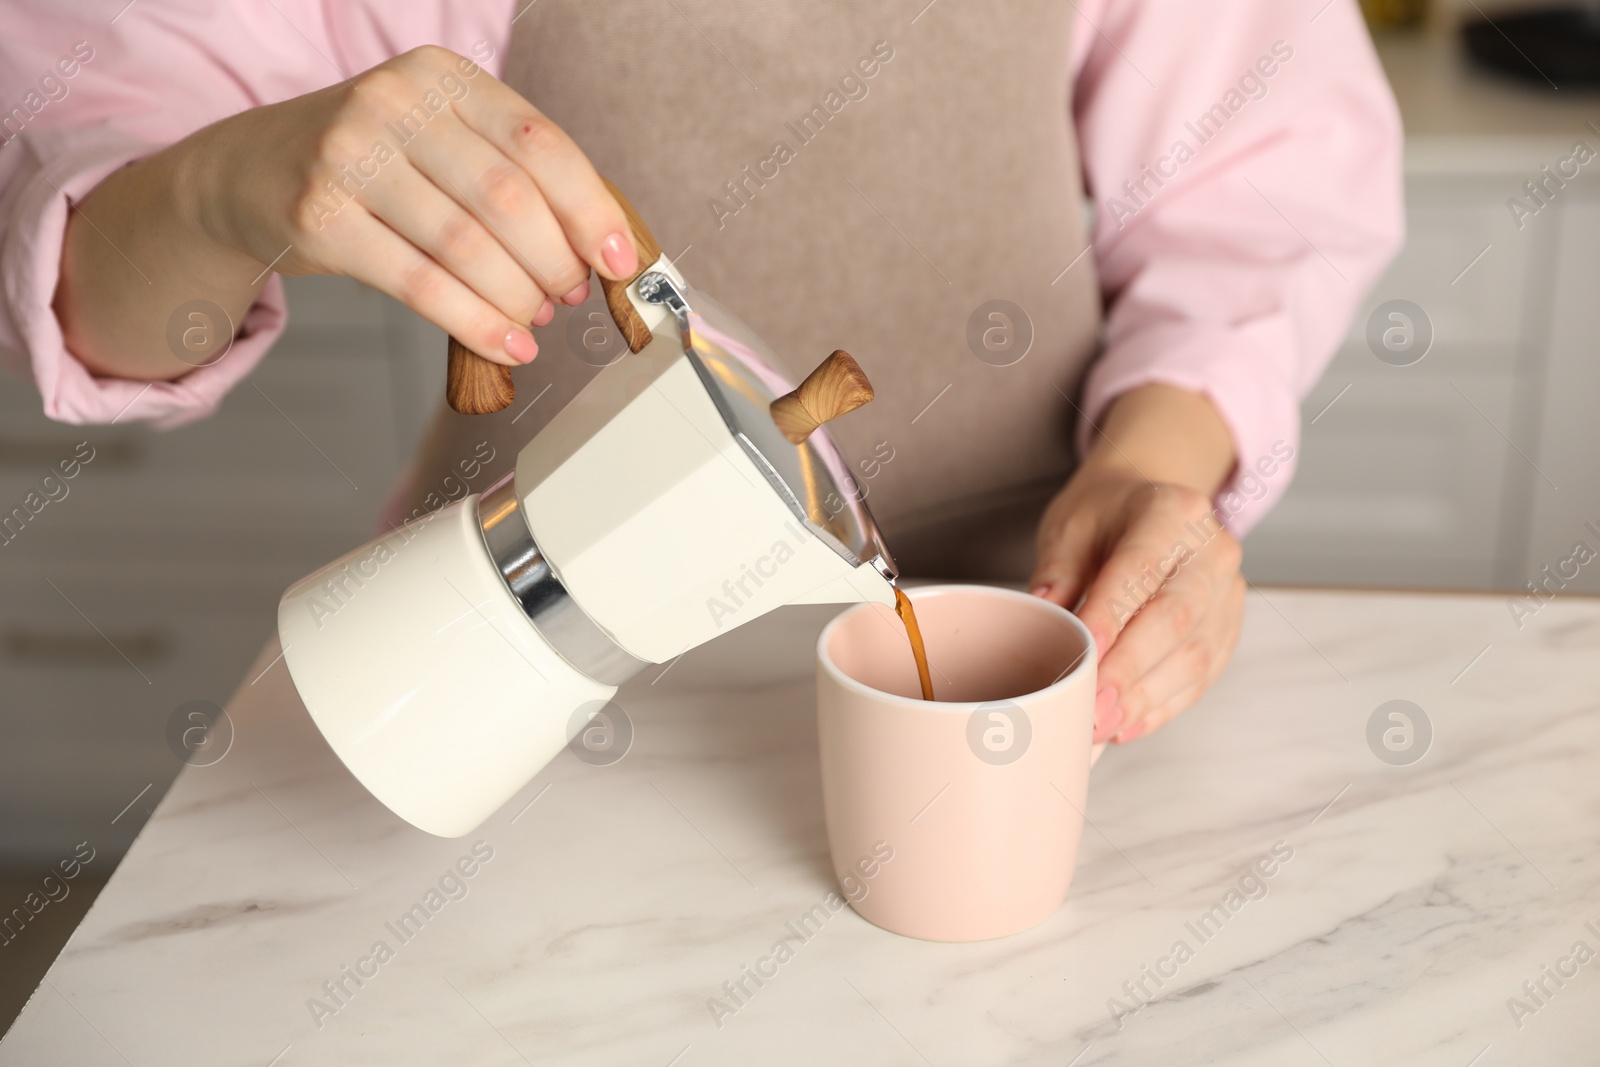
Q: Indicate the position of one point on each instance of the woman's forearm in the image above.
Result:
(1167, 435)
(134, 255)
(477, 220)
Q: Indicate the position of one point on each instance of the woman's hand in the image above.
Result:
(1134, 538)
(424, 177)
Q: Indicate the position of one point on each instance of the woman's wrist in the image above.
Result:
(148, 251)
(190, 176)
(1162, 434)
(198, 172)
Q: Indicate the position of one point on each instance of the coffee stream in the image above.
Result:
(908, 615)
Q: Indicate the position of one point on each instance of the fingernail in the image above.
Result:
(546, 313)
(1039, 590)
(1132, 733)
(619, 255)
(1099, 644)
(520, 345)
(578, 295)
(1107, 713)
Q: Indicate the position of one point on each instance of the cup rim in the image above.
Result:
(1087, 661)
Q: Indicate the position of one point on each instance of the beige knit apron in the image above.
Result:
(841, 176)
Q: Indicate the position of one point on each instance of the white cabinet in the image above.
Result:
(170, 551)
(1566, 509)
(1442, 474)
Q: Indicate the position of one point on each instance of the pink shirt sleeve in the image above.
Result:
(1244, 163)
(82, 94)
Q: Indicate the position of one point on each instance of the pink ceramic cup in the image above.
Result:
(956, 819)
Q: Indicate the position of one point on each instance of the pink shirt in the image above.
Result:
(1243, 158)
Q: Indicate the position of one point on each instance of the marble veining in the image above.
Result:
(618, 904)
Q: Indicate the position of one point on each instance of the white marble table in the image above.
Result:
(619, 899)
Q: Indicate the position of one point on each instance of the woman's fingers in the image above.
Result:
(371, 252)
(413, 207)
(1149, 595)
(506, 201)
(587, 213)
(1163, 598)
(1132, 574)
(1170, 619)
(1184, 673)
(1166, 524)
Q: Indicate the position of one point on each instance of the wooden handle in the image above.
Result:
(474, 385)
(634, 331)
(837, 387)
(477, 386)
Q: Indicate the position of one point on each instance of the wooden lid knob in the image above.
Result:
(837, 387)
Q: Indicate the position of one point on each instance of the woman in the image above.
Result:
(905, 181)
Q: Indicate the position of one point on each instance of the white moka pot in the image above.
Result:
(449, 661)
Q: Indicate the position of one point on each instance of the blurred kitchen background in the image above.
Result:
(155, 581)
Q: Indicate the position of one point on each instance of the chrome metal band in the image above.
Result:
(577, 638)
